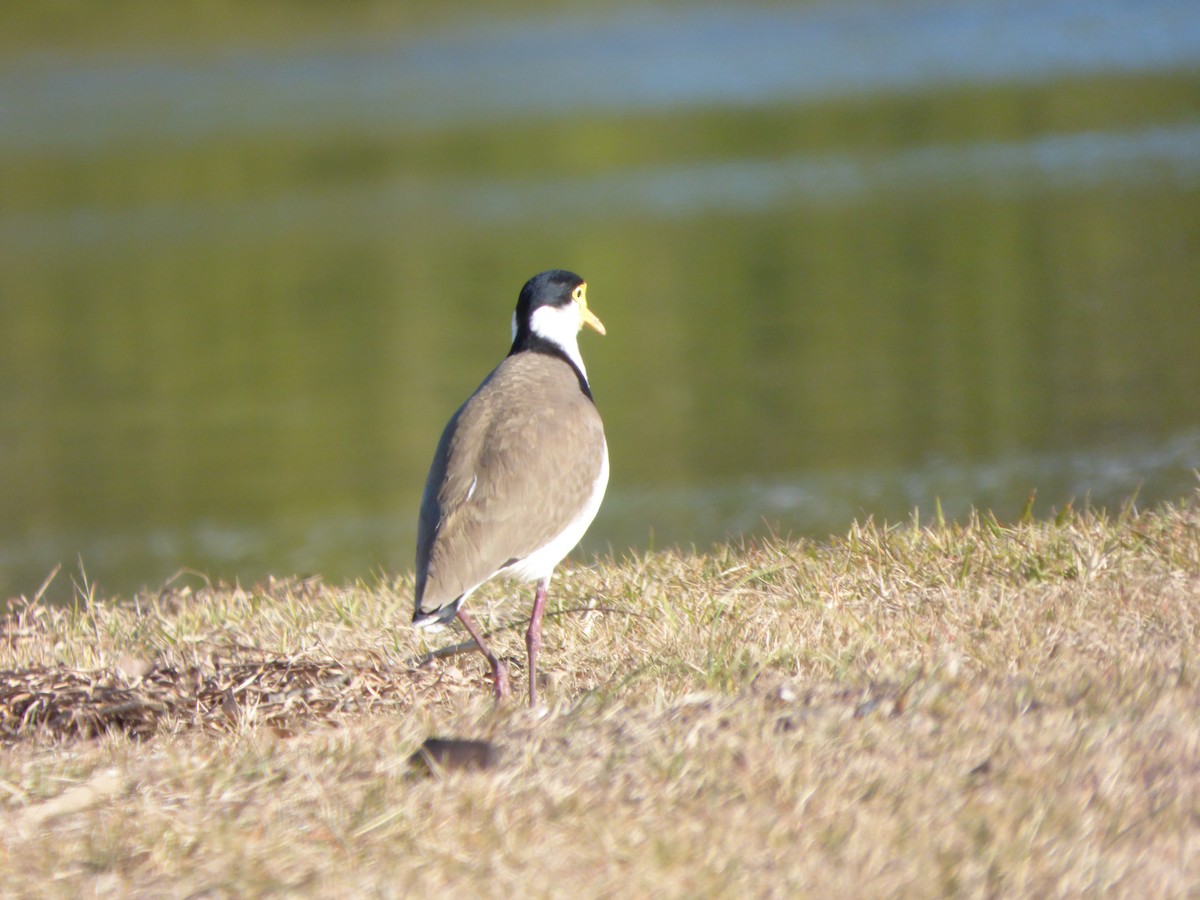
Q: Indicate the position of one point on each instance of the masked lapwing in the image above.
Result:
(519, 472)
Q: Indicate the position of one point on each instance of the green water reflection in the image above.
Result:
(235, 354)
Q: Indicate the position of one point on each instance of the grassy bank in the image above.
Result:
(979, 709)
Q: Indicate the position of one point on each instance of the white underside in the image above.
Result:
(540, 564)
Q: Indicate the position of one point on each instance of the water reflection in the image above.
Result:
(1155, 155)
(497, 73)
(1113, 474)
(852, 259)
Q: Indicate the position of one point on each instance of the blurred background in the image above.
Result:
(855, 258)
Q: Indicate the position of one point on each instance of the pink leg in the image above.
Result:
(533, 637)
(499, 670)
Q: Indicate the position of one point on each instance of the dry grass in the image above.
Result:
(969, 710)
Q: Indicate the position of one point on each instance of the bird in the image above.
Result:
(519, 473)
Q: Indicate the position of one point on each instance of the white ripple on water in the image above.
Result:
(1167, 154)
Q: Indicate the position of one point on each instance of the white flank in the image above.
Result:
(540, 563)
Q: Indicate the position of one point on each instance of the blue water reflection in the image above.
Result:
(626, 62)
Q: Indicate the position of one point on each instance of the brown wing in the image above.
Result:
(514, 465)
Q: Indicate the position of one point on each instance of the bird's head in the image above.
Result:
(553, 306)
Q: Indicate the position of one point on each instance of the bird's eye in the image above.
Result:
(578, 293)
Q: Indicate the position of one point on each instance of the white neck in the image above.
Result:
(559, 326)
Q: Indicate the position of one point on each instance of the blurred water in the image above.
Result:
(499, 72)
(1155, 155)
(855, 259)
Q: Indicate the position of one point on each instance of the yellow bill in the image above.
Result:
(586, 316)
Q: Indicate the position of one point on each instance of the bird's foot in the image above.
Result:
(500, 681)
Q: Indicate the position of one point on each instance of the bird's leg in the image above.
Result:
(533, 637)
(499, 670)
